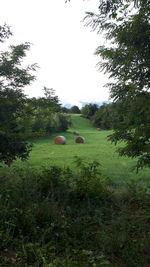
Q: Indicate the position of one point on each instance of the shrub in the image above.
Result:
(71, 216)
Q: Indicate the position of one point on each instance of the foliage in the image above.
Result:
(22, 118)
(105, 116)
(13, 77)
(4, 32)
(75, 110)
(50, 101)
(89, 110)
(95, 148)
(137, 134)
(46, 218)
(127, 58)
(109, 116)
(46, 116)
(65, 110)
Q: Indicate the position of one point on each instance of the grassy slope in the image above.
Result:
(96, 147)
(52, 220)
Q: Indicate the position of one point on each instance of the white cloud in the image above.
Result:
(62, 47)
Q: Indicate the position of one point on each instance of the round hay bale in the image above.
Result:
(76, 133)
(79, 139)
(60, 140)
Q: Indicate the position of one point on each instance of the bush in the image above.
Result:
(62, 216)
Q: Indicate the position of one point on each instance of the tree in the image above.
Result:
(75, 110)
(47, 116)
(89, 110)
(4, 32)
(13, 77)
(126, 57)
(105, 116)
(65, 110)
(50, 100)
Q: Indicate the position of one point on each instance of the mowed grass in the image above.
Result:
(95, 148)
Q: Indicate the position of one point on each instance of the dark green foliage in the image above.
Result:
(64, 122)
(61, 216)
(12, 147)
(13, 77)
(105, 117)
(75, 110)
(127, 59)
(50, 101)
(42, 116)
(4, 32)
(137, 134)
(46, 117)
(12, 142)
(11, 71)
(89, 110)
(65, 110)
(22, 118)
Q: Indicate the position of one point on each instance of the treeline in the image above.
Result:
(31, 117)
(43, 116)
(105, 117)
(22, 118)
(47, 218)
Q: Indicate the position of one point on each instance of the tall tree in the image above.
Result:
(105, 116)
(47, 116)
(75, 110)
(89, 110)
(13, 77)
(126, 57)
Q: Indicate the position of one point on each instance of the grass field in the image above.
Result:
(96, 147)
(74, 217)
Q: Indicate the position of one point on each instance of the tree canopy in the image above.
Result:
(126, 57)
(13, 77)
(89, 110)
(75, 110)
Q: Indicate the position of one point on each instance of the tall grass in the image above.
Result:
(66, 217)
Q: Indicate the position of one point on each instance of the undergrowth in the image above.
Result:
(63, 217)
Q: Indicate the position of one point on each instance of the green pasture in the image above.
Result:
(48, 213)
(95, 148)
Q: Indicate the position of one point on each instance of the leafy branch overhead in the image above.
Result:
(126, 57)
(21, 117)
(11, 72)
(13, 77)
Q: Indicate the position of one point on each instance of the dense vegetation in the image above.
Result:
(44, 116)
(73, 215)
(78, 216)
(13, 78)
(126, 57)
(62, 217)
(22, 118)
(96, 147)
(105, 116)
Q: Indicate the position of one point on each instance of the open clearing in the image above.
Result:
(95, 148)
(74, 217)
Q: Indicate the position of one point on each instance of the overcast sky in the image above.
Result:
(62, 47)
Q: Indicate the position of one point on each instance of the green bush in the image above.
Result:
(65, 217)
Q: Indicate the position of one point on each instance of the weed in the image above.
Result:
(72, 217)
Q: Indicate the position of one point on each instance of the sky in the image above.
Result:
(62, 46)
